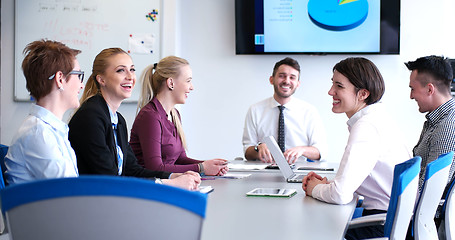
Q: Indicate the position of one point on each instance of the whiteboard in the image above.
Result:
(90, 26)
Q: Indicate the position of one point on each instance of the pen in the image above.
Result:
(208, 178)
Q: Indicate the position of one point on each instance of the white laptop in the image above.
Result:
(278, 156)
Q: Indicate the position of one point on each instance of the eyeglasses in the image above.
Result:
(80, 75)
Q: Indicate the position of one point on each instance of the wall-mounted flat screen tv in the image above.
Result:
(317, 26)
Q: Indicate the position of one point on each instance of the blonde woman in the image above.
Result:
(157, 137)
(98, 133)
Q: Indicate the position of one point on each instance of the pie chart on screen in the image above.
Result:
(338, 15)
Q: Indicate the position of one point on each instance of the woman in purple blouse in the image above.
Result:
(157, 137)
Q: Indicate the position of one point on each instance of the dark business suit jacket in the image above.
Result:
(92, 138)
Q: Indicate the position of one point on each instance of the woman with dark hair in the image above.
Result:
(40, 148)
(373, 149)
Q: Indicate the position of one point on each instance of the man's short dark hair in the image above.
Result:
(287, 61)
(436, 66)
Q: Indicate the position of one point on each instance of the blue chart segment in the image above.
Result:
(338, 15)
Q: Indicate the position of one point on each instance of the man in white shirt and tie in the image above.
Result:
(295, 124)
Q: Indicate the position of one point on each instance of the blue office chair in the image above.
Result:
(436, 175)
(102, 207)
(401, 205)
(446, 228)
(3, 152)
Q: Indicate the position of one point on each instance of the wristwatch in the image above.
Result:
(256, 148)
(201, 168)
(158, 181)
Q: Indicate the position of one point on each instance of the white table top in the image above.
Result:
(232, 215)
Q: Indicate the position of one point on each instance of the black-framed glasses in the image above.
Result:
(80, 75)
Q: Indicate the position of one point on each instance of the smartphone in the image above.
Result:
(272, 192)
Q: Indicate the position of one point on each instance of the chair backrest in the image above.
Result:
(102, 207)
(436, 175)
(404, 191)
(449, 212)
(3, 151)
(447, 228)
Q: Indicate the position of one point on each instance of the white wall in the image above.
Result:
(226, 84)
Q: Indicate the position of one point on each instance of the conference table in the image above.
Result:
(233, 215)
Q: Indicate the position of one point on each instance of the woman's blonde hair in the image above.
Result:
(154, 78)
(92, 87)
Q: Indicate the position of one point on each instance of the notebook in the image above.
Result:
(278, 156)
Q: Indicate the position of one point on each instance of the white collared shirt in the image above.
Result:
(40, 149)
(303, 125)
(374, 147)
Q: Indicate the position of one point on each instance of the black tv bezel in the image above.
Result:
(245, 19)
